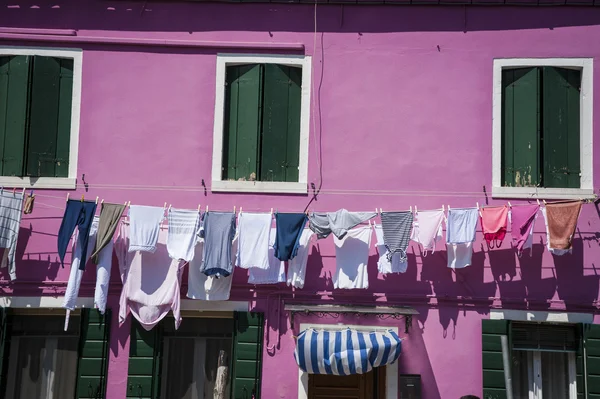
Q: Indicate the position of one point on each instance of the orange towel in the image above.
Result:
(562, 222)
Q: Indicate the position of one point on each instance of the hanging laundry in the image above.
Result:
(218, 233)
(29, 202)
(289, 229)
(427, 229)
(297, 266)
(396, 232)
(522, 221)
(103, 268)
(145, 223)
(77, 214)
(384, 265)
(561, 223)
(351, 258)
(11, 206)
(151, 281)
(184, 227)
(254, 232)
(494, 221)
(275, 273)
(110, 216)
(460, 234)
(209, 288)
(338, 222)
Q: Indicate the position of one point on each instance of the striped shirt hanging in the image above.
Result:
(396, 232)
(345, 352)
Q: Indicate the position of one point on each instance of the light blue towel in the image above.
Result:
(461, 225)
(144, 225)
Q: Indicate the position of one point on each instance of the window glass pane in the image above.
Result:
(555, 375)
(520, 374)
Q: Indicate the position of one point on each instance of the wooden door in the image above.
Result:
(358, 386)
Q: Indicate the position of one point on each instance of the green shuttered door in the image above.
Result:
(262, 122)
(143, 381)
(247, 355)
(494, 385)
(93, 361)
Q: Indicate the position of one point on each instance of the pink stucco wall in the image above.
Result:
(403, 116)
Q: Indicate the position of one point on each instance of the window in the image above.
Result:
(542, 128)
(261, 124)
(39, 359)
(39, 117)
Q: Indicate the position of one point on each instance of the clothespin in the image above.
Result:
(448, 206)
(165, 206)
(234, 209)
(125, 204)
(443, 208)
(129, 203)
(544, 202)
(380, 210)
(169, 206)
(97, 200)
(14, 190)
(23, 192)
(410, 209)
(102, 202)
(240, 210)
(416, 209)
(206, 208)
(271, 211)
(509, 204)
(198, 208)
(477, 205)
(538, 201)
(68, 196)
(82, 198)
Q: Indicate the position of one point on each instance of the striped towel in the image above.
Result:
(396, 232)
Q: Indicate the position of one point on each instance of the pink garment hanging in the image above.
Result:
(151, 281)
(494, 221)
(522, 223)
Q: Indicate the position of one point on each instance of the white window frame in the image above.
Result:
(586, 190)
(70, 181)
(391, 370)
(218, 184)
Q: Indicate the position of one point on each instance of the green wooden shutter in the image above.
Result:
(243, 102)
(520, 127)
(93, 354)
(591, 345)
(494, 385)
(14, 75)
(561, 102)
(4, 348)
(50, 117)
(145, 355)
(281, 123)
(247, 355)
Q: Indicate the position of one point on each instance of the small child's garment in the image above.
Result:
(297, 266)
(494, 221)
(274, 274)
(289, 228)
(522, 221)
(338, 222)
(208, 288)
(254, 232)
(218, 233)
(351, 258)
(11, 206)
(151, 281)
(427, 229)
(561, 223)
(460, 234)
(184, 226)
(396, 232)
(144, 224)
(77, 214)
(384, 266)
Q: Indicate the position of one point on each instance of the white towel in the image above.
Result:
(352, 256)
(297, 265)
(275, 273)
(184, 227)
(208, 288)
(384, 266)
(253, 249)
(144, 227)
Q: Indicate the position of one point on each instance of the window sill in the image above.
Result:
(59, 183)
(542, 193)
(259, 187)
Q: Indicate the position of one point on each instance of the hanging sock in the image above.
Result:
(218, 233)
(561, 223)
(396, 232)
(144, 226)
(460, 234)
(427, 229)
(254, 234)
(184, 226)
(351, 258)
(289, 228)
(384, 265)
(494, 221)
(522, 221)
(338, 222)
(297, 266)
(78, 214)
(110, 215)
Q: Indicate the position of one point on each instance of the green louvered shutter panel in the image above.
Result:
(243, 102)
(494, 385)
(520, 127)
(94, 343)
(14, 75)
(4, 348)
(247, 355)
(50, 117)
(561, 103)
(591, 344)
(145, 355)
(281, 123)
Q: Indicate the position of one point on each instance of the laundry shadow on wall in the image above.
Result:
(537, 287)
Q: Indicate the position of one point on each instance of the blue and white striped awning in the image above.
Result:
(345, 352)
